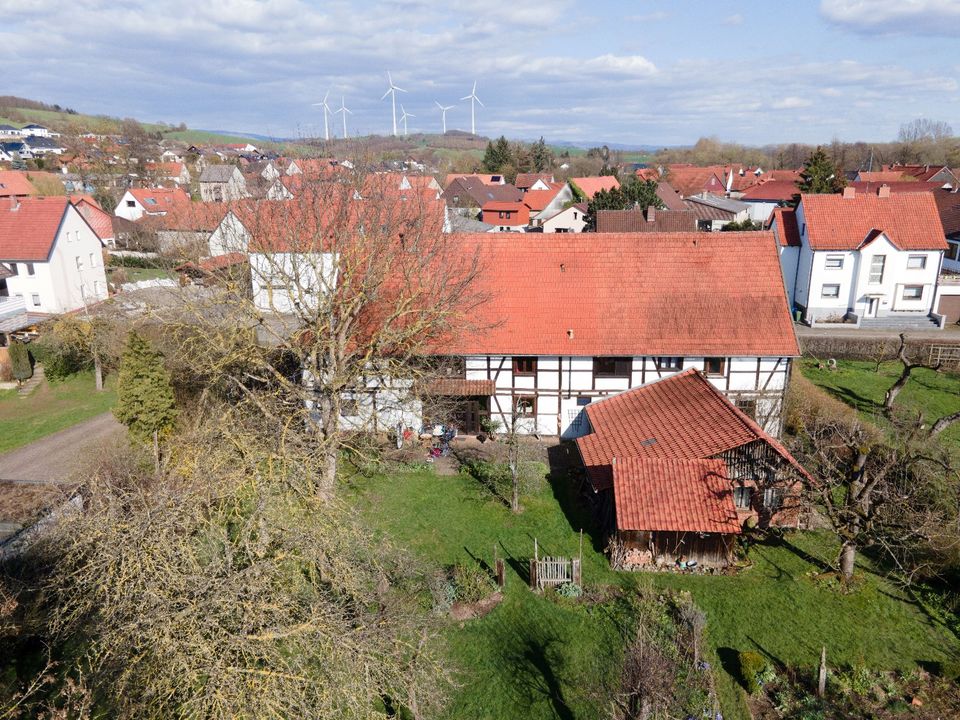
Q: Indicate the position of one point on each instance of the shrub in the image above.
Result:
(59, 360)
(21, 365)
(569, 590)
(753, 667)
(472, 582)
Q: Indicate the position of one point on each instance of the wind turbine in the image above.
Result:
(392, 92)
(403, 118)
(326, 109)
(472, 97)
(343, 111)
(443, 113)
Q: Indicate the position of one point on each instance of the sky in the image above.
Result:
(650, 72)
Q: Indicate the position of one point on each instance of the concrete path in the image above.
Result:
(58, 457)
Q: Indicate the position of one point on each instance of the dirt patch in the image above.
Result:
(469, 611)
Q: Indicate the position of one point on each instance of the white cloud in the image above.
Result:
(909, 17)
(735, 19)
(791, 103)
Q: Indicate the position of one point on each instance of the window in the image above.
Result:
(583, 400)
(524, 366)
(93, 262)
(669, 363)
(876, 269)
(834, 262)
(131, 203)
(526, 405)
(773, 498)
(916, 262)
(79, 261)
(748, 406)
(714, 365)
(742, 497)
(912, 292)
(830, 291)
(13, 269)
(953, 251)
(36, 299)
(30, 270)
(612, 367)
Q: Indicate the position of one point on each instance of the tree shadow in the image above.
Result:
(772, 540)
(851, 397)
(565, 467)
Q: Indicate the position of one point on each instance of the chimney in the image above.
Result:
(570, 334)
(849, 192)
(14, 203)
(883, 191)
(651, 213)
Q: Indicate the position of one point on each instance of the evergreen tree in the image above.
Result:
(634, 194)
(144, 394)
(497, 155)
(541, 156)
(20, 364)
(819, 175)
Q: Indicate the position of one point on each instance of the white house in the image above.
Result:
(137, 202)
(568, 220)
(52, 257)
(222, 183)
(866, 256)
(34, 130)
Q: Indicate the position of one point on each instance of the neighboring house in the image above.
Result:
(688, 180)
(714, 211)
(669, 197)
(460, 223)
(187, 228)
(678, 469)
(137, 202)
(766, 195)
(485, 179)
(34, 130)
(99, 221)
(872, 187)
(561, 332)
(948, 205)
(866, 256)
(222, 183)
(52, 257)
(506, 216)
(651, 220)
(783, 223)
(15, 150)
(533, 181)
(470, 192)
(590, 186)
(882, 176)
(40, 145)
(568, 220)
(175, 172)
(10, 131)
(14, 183)
(547, 203)
(926, 173)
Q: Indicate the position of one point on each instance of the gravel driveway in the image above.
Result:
(57, 457)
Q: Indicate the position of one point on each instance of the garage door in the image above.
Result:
(950, 306)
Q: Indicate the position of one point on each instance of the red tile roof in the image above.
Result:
(525, 180)
(884, 176)
(100, 221)
(629, 294)
(590, 186)
(783, 222)
(919, 172)
(674, 496)
(671, 198)
(682, 416)
(537, 200)
(159, 200)
(689, 181)
(771, 191)
(219, 262)
(456, 387)
(909, 220)
(948, 203)
(897, 187)
(637, 221)
(519, 213)
(29, 229)
(15, 183)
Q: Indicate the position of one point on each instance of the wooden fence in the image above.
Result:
(553, 571)
(946, 355)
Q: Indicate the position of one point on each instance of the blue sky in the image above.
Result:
(641, 72)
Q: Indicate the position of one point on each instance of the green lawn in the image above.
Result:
(533, 658)
(51, 407)
(135, 274)
(857, 384)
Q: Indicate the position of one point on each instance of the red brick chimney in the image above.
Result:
(883, 191)
(849, 192)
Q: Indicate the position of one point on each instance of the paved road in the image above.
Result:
(59, 456)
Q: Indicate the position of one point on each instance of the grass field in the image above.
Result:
(51, 407)
(856, 383)
(134, 274)
(534, 658)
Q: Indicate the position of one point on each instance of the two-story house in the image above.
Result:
(52, 258)
(222, 183)
(862, 257)
(139, 202)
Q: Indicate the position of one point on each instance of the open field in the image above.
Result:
(51, 407)
(533, 657)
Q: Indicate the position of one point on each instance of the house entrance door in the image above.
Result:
(873, 303)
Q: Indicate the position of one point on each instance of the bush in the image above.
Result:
(471, 582)
(753, 668)
(59, 361)
(21, 364)
(569, 590)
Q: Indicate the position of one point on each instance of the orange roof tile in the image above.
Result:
(525, 180)
(537, 200)
(100, 221)
(630, 294)
(771, 191)
(783, 222)
(15, 183)
(884, 176)
(694, 180)
(909, 220)
(159, 200)
(29, 228)
(674, 496)
(682, 416)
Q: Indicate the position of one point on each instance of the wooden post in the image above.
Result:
(501, 575)
(533, 574)
(822, 677)
(576, 572)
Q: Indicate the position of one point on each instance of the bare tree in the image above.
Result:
(354, 285)
(924, 130)
(907, 368)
